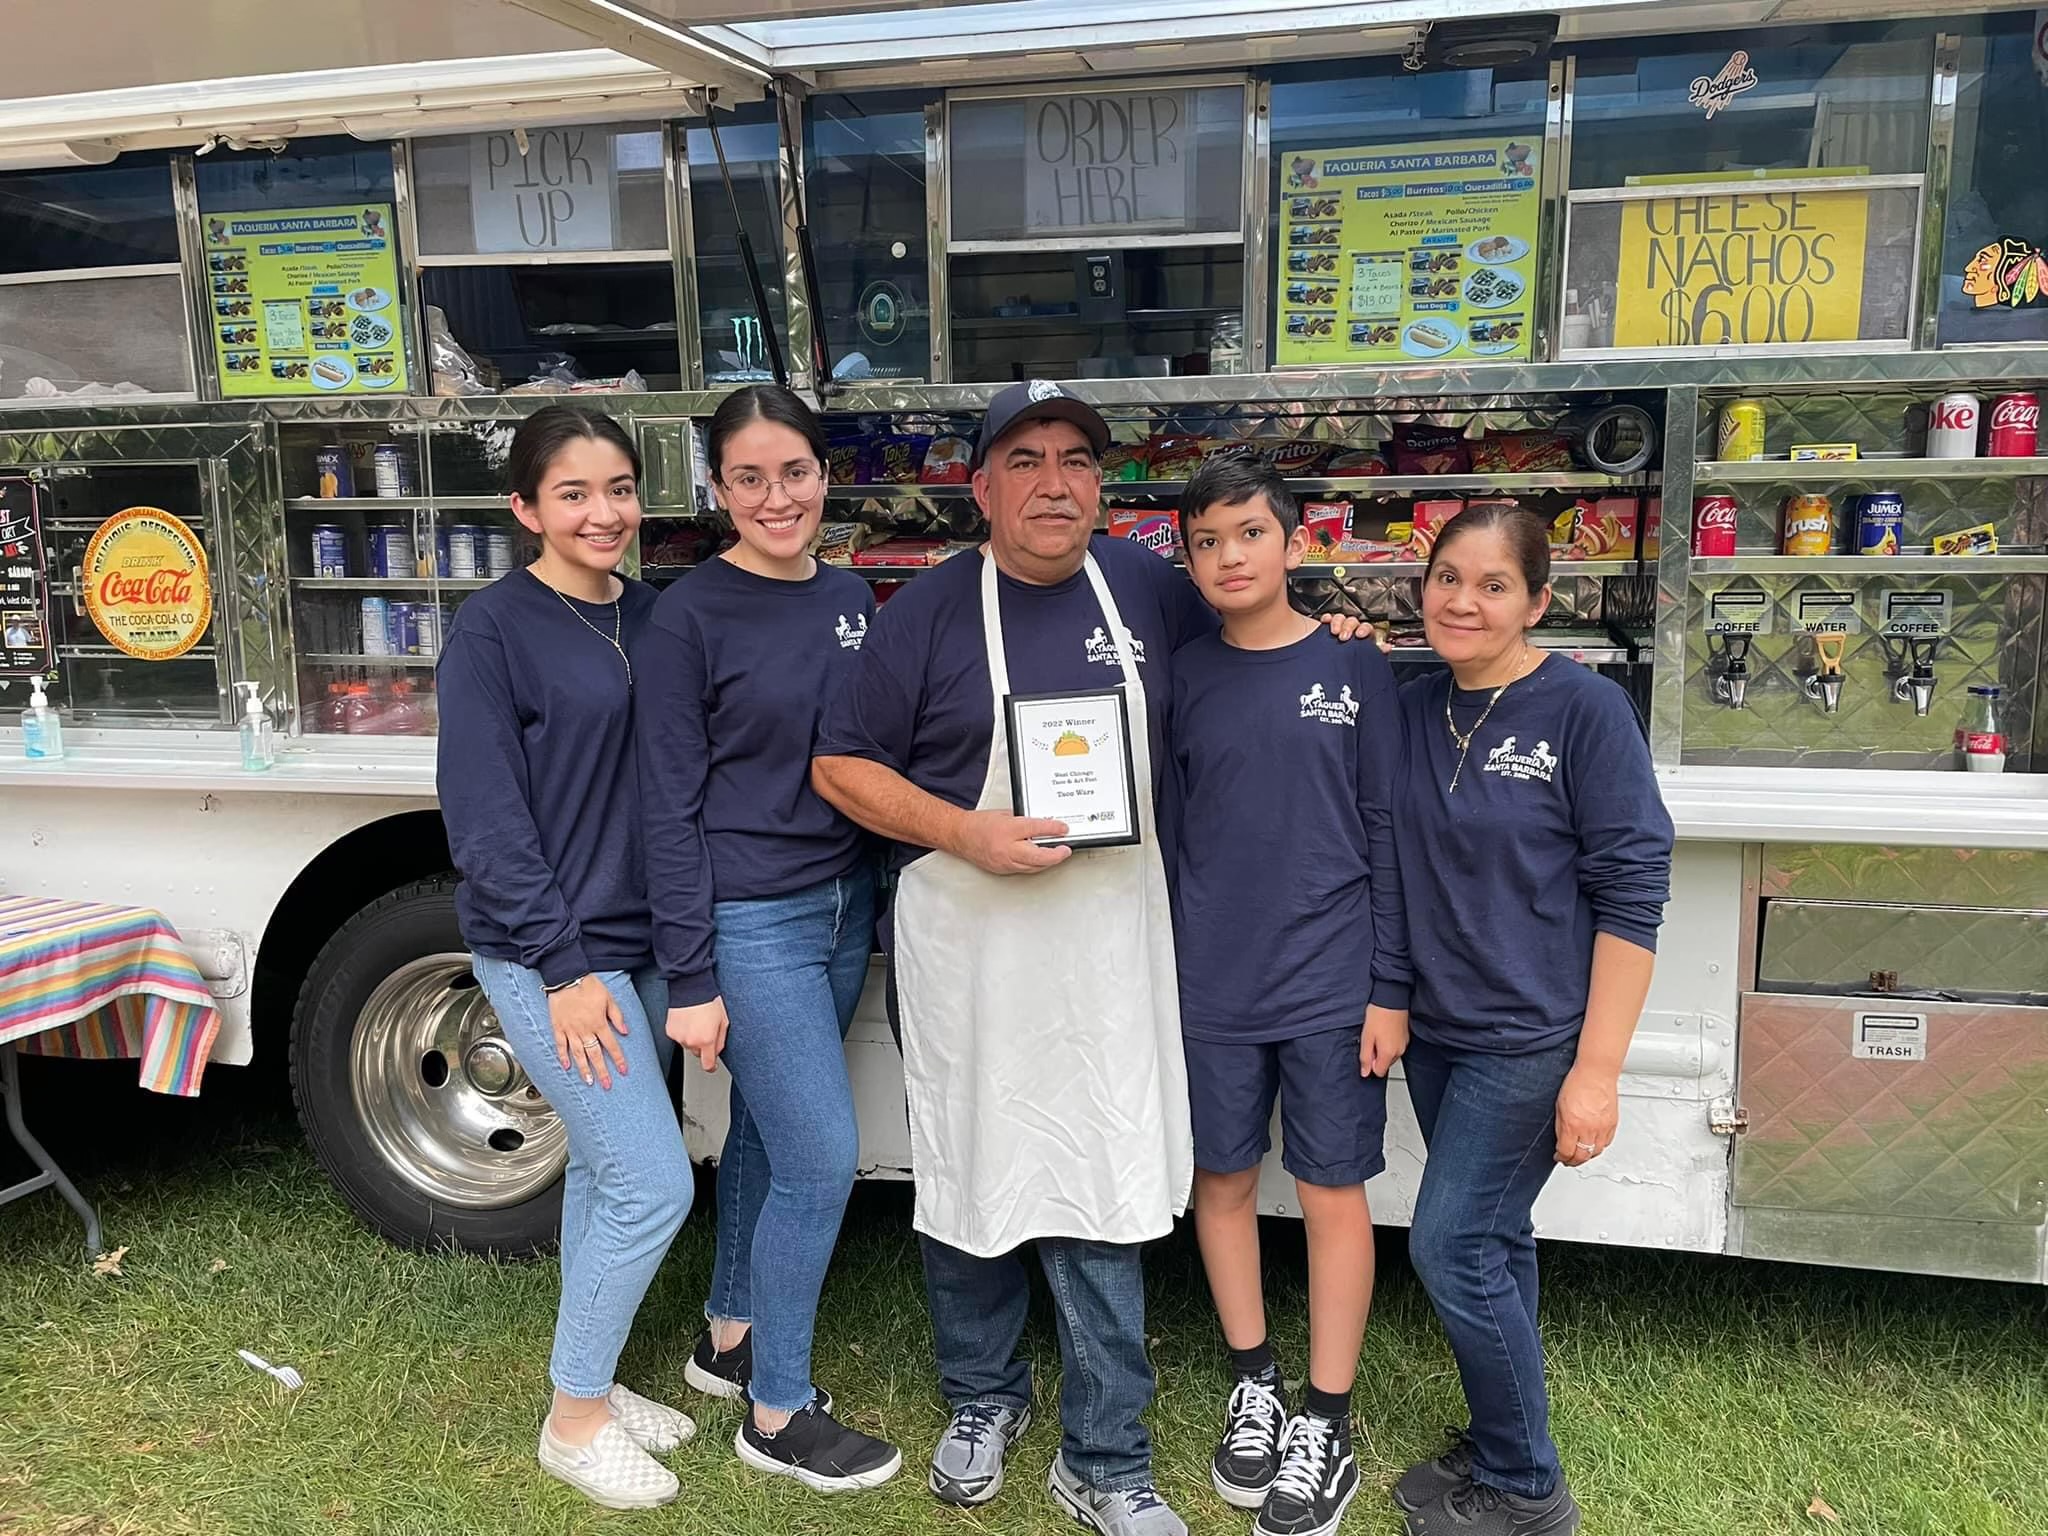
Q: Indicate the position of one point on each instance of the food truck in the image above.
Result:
(1749, 300)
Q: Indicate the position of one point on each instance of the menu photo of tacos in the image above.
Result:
(1308, 325)
(241, 362)
(289, 369)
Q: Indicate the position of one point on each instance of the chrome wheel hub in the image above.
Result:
(441, 1095)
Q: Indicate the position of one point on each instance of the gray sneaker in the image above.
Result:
(1127, 1512)
(967, 1467)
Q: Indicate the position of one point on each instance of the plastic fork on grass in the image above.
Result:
(287, 1378)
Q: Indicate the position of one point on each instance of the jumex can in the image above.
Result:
(1742, 430)
(405, 629)
(465, 558)
(330, 550)
(391, 551)
(376, 626)
(1880, 522)
(498, 552)
(393, 470)
(441, 552)
(1809, 525)
(331, 468)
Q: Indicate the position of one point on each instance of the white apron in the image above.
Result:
(1041, 1021)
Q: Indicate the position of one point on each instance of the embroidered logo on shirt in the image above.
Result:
(1102, 649)
(1508, 763)
(1317, 705)
(851, 635)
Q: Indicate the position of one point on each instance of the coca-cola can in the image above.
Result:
(2013, 429)
(1952, 423)
(1713, 525)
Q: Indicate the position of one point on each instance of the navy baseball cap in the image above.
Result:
(1037, 400)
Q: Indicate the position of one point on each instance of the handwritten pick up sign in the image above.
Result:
(550, 189)
(1742, 268)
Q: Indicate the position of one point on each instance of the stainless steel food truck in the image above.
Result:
(1749, 299)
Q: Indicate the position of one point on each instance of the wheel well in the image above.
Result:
(369, 862)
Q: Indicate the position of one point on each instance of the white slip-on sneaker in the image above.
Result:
(611, 1470)
(650, 1425)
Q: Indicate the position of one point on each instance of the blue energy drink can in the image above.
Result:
(1880, 522)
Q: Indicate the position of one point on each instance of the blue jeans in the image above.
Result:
(1098, 1293)
(790, 969)
(1489, 1121)
(627, 1187)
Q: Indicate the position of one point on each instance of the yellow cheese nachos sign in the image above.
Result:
(1748, 267)
(146, 585)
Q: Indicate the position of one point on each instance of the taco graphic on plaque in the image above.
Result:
(2009, 272)
(1070, 744)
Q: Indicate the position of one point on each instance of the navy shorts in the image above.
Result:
(1333, 1122)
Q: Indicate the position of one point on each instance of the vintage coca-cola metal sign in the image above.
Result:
(146, 585)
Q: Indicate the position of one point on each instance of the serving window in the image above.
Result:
(92, 297)
(864, 190)
(735, 351)
(547, 254)
(1994, 267)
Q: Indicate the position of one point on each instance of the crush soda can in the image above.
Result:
(1713, 525)
(2013, 429)
(1952, 427)
(1809, 525)
(1742, 431)
(1880, 522)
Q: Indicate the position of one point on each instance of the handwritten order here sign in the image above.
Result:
(1748, 267)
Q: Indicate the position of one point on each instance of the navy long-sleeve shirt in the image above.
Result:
(734, 672)
(1288, 894)
(537, 781)
(1557, 832)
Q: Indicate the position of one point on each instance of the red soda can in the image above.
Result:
(2015, 427)
(1713, 525)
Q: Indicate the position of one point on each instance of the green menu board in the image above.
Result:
(1402, 252)
(305, 301)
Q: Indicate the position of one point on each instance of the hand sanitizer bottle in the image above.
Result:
(42, 728)
(259, 737)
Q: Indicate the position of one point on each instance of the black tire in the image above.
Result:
(407, 925)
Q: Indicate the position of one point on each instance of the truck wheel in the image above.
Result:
(413, 1102)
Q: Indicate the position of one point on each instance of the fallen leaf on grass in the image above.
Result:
(110, 1263)
(143, 1449)
(1821, 1509)
(216, 1266)
(858, 1350)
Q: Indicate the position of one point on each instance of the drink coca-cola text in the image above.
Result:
(158, 589)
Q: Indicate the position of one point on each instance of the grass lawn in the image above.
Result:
(1692, 1395)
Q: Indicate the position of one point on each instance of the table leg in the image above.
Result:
(51, 1177)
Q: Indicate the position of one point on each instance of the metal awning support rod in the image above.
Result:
(790, 116)
(762, 316)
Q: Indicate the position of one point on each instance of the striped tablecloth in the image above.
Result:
(78, 978)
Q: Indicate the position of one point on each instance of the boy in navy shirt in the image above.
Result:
(1294, 978)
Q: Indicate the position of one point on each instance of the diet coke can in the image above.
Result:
(2014, 428)
(1713, 525)
(1952, 427)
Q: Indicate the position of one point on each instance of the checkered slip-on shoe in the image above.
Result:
(650, 1425)
(611, 1470)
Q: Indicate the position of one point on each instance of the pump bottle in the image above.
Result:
(42, 728)
(259, 737)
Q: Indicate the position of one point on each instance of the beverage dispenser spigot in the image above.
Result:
(1912, 668)
(1728, 662)
(1824, 683)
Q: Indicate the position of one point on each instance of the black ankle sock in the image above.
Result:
(1328, 1405)
(1255, 1363)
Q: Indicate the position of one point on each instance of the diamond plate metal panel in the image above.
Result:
(1957, 1137)
(1965, 877)
(1970, 952)
(1995, 638)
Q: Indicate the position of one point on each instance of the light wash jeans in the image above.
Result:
(790, 969)
(627, 1188)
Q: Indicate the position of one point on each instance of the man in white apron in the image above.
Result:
(1034, 987)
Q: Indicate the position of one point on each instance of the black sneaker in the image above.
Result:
(1427, 1481)
(1248, 1456)
(1473, 1509)
(818, 1451)
(721, 1373)
(1318, 1479)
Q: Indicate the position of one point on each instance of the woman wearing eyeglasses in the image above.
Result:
(763, 901)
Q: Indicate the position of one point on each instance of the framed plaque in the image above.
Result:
(1070, 761)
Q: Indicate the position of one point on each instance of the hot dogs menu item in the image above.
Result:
(305, 301)
(1408, 252)
(24, 585)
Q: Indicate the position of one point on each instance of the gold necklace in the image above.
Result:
(612, 639)
(1463, 742)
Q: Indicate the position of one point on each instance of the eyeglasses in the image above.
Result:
(801, 482)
